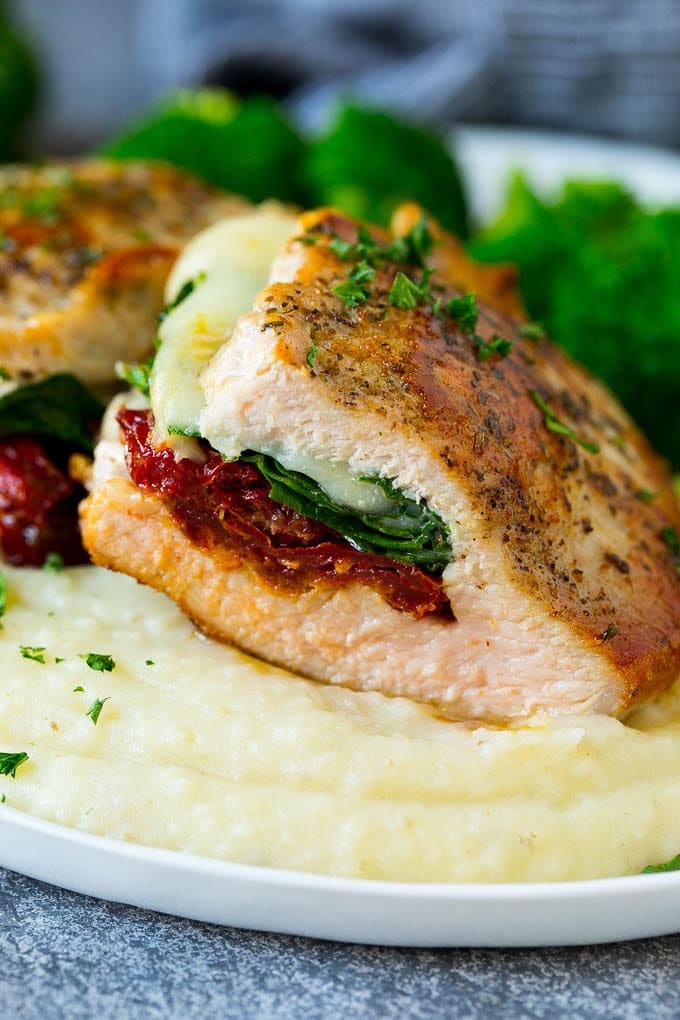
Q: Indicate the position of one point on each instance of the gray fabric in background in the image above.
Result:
(604, 66)
(610, 66)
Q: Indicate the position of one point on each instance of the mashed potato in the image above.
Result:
(203, 749)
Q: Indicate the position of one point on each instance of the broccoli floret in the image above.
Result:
(247, 147)
(602, 274)
(370, 161)
(18, 87)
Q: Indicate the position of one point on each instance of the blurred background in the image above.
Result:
(605, 66)
(351, 103)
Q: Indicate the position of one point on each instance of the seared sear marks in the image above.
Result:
(84, 253)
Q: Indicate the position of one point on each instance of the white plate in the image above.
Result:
(398, 914)
(348, 910)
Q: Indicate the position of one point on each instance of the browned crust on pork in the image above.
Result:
(85, 251)
(574, 531)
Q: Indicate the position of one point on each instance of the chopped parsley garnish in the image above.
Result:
(406, 293)
(100, 663)
(532, 331)
(369, 253)
(466, 313)
(345, 250)
(35, 654)
(44, 205)
(4, 374)
(9, 763)
(136, 374)
(411, 248)
(309, 239)
(670, 537)
(149, 662)
(496, 345)
(464, 310)
(354, 290)
(3, 596)
(414, 246)
(611, 632)
(95, 709)
(311, 354)
(553, 424)
(645, 495)
(419, 241)
(658, 869)
(79, 690)
(53, 564)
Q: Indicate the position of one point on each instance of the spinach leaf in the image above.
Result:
(59, 407)
(408, 531)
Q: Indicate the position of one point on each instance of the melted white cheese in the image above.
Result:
(234, 258)
(337, 481)
(209, 751)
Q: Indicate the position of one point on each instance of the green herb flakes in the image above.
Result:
(3, 596)
(136, 374)
(496, 345)
(95, 709)
(553, 424)
(354, 290)
(532, 331)
(658, 869)
(100, 663)
(34, 654)
(9, 763)
(53, 564)
(79, 690)
(311, 354)
(464, 310)
(670, 537)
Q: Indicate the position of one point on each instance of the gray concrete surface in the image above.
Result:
(67, 956)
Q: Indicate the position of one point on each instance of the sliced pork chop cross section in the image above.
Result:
(565, 593)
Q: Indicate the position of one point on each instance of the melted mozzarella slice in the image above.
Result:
(230, 264)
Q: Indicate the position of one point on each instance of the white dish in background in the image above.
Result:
(488, 156)
(356, 910)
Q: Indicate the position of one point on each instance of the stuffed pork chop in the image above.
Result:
(398, 487)
(85, 250)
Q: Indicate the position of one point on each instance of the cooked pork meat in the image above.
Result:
(84, 253)
(546, 520)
